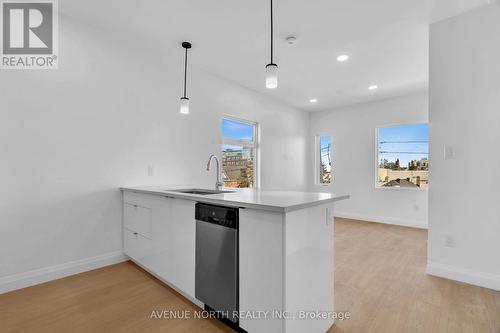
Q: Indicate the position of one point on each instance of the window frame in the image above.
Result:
(377, 140)
(255, 144)
(317, 160)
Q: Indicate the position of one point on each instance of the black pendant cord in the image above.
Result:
(185, 72)
(272, 32)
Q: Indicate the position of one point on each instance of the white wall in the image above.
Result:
(354, 158)
(465, 115)
(69, 138)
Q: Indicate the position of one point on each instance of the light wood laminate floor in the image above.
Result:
(380, 279)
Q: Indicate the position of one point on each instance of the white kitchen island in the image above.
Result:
(286, 253)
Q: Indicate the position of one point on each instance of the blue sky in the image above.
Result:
(324, 141)
(406, 142)
(237, 130)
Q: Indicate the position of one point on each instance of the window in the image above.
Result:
(324, 164)
(239, 153)
(403, 156)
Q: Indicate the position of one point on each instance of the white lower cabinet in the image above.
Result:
(287, 268)
(174, 244)
(261, 269)
(138, 219)
(136, 246)
(169, 252)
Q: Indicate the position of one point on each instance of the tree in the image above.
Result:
(325, 175)
(246, 175)
(396, 166)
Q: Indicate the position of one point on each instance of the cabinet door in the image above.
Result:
(183, 227)
(137, 218)
(173, 237)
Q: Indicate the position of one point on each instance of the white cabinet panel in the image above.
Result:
(309, 267)
(173, 242)
(137, 218)
(182, 256)
(136, 246)
(286, 264)
(261, 268)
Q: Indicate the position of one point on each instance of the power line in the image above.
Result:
(383, 142)
(403, 152)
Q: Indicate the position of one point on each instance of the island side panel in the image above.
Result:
(261, 269)
(309, 268)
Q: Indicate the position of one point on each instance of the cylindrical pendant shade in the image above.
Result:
(184, 105)
(272, 76)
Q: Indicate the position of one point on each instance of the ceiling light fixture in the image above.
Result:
(373, 87)
(313, 100)
(184, 99)
(342, 58)
(272, 68)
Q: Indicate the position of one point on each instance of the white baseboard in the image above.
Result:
(41, 275)
(477, 278)
(383, 219)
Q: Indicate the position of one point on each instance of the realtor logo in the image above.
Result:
(29, 34)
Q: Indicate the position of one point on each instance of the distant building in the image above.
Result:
(238, 167)
(400, 183)
(422, 164)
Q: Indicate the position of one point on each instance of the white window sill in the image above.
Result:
(400, 188)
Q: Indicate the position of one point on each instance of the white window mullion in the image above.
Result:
(239, 143)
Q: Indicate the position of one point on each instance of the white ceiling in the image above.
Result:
(387, 41)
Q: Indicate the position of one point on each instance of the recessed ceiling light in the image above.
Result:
(313, 100)
(373, 87)
(342, 57)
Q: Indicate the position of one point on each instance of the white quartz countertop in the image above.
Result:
(277, 201)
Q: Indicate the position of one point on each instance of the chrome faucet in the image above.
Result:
(218, 183)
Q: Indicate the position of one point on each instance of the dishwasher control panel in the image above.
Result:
(224, 216)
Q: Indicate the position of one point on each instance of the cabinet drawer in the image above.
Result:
(136, 246)
(138, 219)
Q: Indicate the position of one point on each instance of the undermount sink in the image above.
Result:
(200, 191)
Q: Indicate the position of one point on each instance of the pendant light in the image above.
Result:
(184, 99)
(272, 68)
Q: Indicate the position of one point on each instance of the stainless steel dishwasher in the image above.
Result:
(216, 282)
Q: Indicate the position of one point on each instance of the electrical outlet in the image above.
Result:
(151, 170)
(449, 241)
